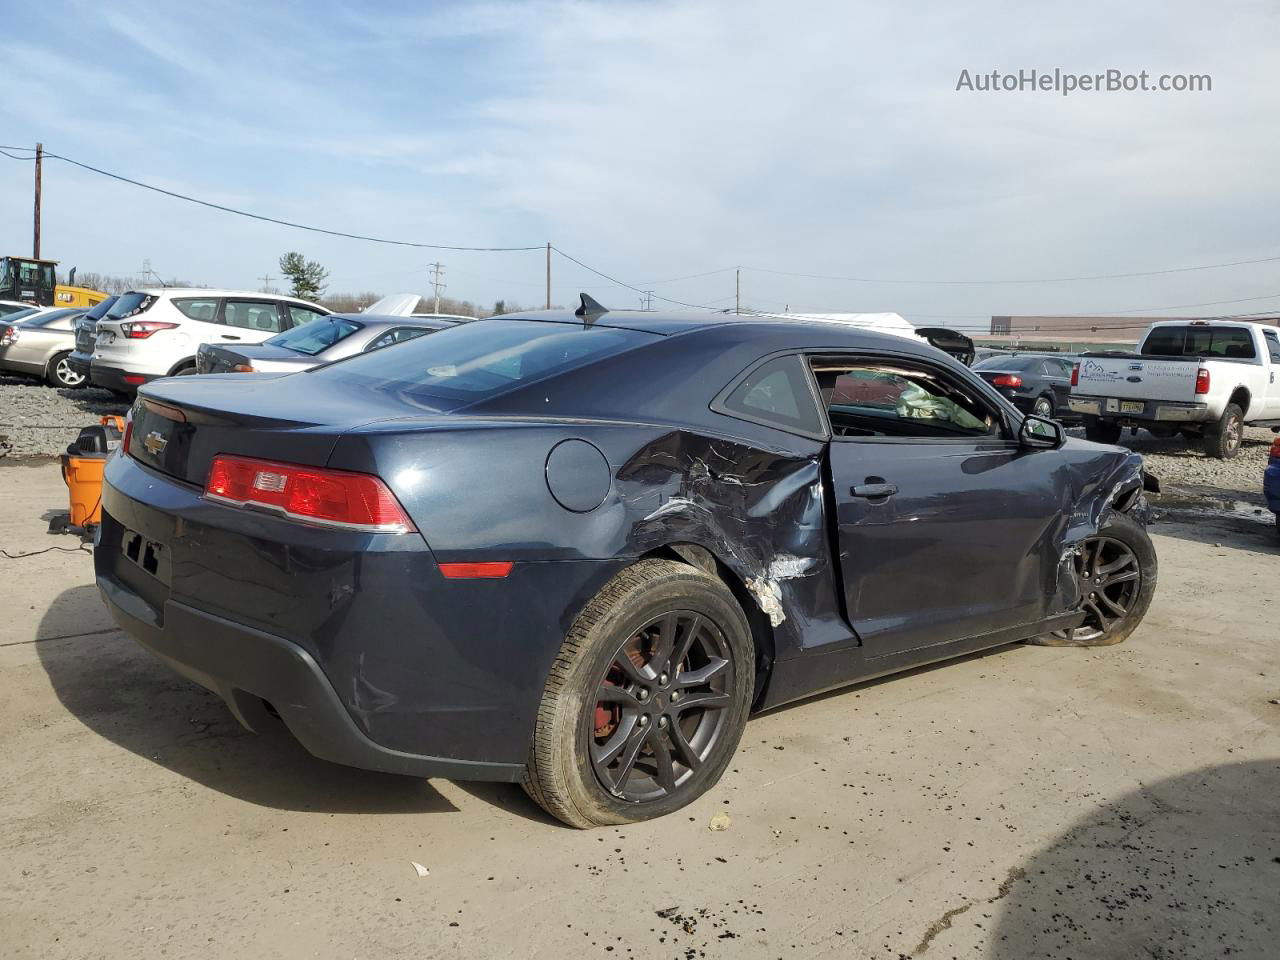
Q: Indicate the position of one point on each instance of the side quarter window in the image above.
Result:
(398, 335)
(899, 399)
(777, 394)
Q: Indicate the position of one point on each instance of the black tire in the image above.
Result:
(1100, 431)
(1222, 439)
(566, 768)
(60, 374)
(188, 370)
(1121, 529)
(1043, 407)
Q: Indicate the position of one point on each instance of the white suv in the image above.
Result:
(153, 333)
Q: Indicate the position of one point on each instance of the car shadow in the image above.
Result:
(1220, 532)
(121, 692)
(1183, 867)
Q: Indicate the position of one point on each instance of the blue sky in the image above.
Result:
(656, 140)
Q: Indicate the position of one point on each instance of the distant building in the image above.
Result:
(1069, 333)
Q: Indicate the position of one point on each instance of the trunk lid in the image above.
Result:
(181, 424)
(1138, 377)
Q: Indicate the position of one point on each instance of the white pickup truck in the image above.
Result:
(1204, 379)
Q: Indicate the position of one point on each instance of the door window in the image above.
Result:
(1273, 345)
(204, 309)
(776, 393)
(303, 315)
(894, 399)
(252, 315)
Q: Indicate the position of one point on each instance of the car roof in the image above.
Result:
(431, 321)
(216, 292)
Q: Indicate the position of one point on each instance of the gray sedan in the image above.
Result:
(318, 342)
(39, 343)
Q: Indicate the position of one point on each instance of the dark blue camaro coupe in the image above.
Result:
(577, 550)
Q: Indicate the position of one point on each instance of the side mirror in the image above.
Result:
(1041, 433)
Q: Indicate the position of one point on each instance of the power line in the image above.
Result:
(621, 283)
(284, 223)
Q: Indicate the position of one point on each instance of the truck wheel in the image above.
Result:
(1222, 439)
(646, 701)
(1100, 431)
(1116, 571)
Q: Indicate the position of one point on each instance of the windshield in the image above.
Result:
(474, 361)
(129, 305)
(315, 335)
(1230, 343)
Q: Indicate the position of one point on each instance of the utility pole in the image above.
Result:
(266, 279)
(437, 270)
(646, 300)
(39, 163)
(548, 275)
(737, 290)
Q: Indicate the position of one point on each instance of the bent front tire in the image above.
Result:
(1116, 572)
(646, 701)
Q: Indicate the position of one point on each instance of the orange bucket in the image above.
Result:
(82, 472)
(83, 476)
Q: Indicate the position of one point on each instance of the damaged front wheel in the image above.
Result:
(1115, 574)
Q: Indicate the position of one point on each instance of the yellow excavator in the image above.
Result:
(36, 282)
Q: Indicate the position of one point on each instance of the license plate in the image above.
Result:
(106, 336)
(1132, 406)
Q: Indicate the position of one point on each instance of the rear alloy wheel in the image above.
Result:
(62, 374)
(1222, 440)
(1043, 407)
(1115, 573)
(646, 703)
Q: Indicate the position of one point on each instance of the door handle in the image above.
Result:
(227, 336)
(874, 491)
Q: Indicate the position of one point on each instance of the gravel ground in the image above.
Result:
(1179, 465)
(40, 421)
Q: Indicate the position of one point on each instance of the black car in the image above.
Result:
(577, 549)
(1036, 383)
(86, 333)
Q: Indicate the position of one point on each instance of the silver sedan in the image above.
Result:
(319, 342)
(39, 344)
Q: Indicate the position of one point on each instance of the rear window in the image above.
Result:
(316, 335)
(130, 305)
(1005, 363)
(100, 310)
(474, 361)
(1230, 343)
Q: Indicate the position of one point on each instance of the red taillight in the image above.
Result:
(1075, 374)
(494, 570)
(1202, 381)
(128, 433)
(335, 498)
(1007, 380)
(1275, 449)
(133, 379)
(141, 329)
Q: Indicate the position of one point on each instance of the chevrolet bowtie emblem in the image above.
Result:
(155, 443)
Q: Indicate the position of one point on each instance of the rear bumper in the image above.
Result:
(246, 667)
(369, 654)
(81, 363)
(113, 378)
(1154, 411)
